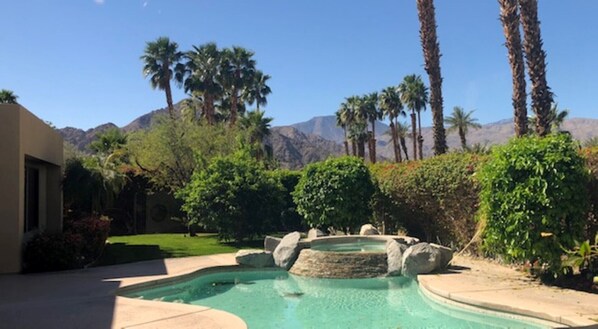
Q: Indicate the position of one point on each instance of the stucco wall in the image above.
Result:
(22, 136)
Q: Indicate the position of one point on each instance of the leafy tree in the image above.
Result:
(536, 65)
(414, 95)
(509, 16)
(8, 97)
(534, 198)
(235, 196)
(391, 106)
(335, 192)
(430, 47)
(460, 122)
(161, 58)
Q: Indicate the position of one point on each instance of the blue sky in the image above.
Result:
(76, 62)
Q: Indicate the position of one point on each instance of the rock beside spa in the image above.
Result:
(287, 251)
(394, 257)
(420, 259)
(270, 243)
(368, 229)
(254, 258)
(315, 233)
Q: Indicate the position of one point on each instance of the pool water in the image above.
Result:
(276, 299)
(357, 246)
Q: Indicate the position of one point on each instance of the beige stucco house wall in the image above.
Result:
(31, 157)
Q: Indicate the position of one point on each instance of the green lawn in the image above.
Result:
(134, 248)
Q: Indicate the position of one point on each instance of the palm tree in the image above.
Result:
(161, 58)
(108, 141)
(258, 128)
(402, 129)
(203, 72)
(536, 64)
(358, 124)
(427, 32)
(257, 90)
(391, 105)
(591, 142)
(555, 118)
(414, 95)
(373, 112)
(509, 16)
(240, 70)
(8, 97)
(460, 122)
(342, 121)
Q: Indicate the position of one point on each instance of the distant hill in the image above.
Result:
(301, 143)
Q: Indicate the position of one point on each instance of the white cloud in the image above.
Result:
(145, 3)
(99, 2)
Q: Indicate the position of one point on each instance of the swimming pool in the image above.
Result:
(277, 299)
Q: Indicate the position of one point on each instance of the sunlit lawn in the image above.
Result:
(134, 248)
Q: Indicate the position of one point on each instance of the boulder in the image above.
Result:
(270, 243)
(314, 233)
(287, 251)
(420, 259)
(254, 258)
(368, 229)
(446, 255)
(394, 257)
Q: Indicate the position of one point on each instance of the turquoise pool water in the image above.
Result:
(356, 246)
(276, 299)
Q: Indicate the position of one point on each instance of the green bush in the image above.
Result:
(81, 243)
(234, 196)
(591, 158)
(435, 199)
(534, 199)
(290, 220)
(335, 192)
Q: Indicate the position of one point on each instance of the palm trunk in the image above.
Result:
(536, 65)
(420, 138)
(404, 146)
(393, 132)
(233, 107)
(346, 142)
(361, 149)
(431, 51)
(169, 100)
(414, 134)
(373, 143)
(462, 137)
(354, 147)
(509, 17)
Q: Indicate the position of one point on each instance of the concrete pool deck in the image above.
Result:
(87, 298)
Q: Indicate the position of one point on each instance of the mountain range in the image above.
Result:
(299, 144)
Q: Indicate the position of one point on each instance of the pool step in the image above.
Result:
(340, 265)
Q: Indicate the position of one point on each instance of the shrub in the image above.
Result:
(289, 220)
(435, 199)
(591, 158)
(335, 192)
(234, 196)
(534, 199)
(53, 252)
(94, 231)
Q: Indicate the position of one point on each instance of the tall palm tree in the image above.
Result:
(258, 128)
(358, 129)
(160, 60)
(402, 129)
(509, 16)
(257, 90)
(427, 32)
(414, 95)
(341, 121)
(203, 72)
(373, 112)
(391, 105)
(536, 64)
(555, 118)
(240, 69)
(8, 97)
(460, 122)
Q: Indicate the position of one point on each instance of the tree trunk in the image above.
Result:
(354, 147)
(346, 142)
(536, 65)
(373, 143)
(431, 51)
(414, 134)
(509, 17)
(233, 107)
(404, 146)
(361, 149)
(462, 137)
(420, 138)
(169, 100)
(393, 132)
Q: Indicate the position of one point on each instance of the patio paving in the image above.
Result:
(86, 298)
